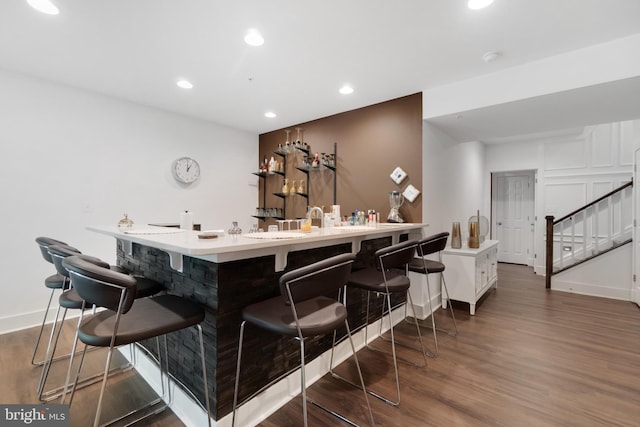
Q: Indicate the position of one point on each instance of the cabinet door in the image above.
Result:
(460, 274)
(481, 266)
(478, 281)
(493, 264)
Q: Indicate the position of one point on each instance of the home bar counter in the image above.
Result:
(230, 272)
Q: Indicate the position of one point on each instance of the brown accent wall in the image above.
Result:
(370, 142)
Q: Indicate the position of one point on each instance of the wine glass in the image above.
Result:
(287, 144)
(299, 140)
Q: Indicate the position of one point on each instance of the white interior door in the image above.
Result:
(513, 216)
(636, 231)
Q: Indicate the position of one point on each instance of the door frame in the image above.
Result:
(532, 210)
(635, 279)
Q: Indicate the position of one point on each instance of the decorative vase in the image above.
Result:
(474, 235)
(301, 187)
(456, 239)
(285, 186)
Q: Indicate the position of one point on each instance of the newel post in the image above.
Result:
(549, 251)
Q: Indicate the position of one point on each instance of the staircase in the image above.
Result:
(590, 231)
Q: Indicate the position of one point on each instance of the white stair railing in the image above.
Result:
(595, 228)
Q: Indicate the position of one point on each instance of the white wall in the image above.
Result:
(72, 158)
(453, 180)
(434, 146)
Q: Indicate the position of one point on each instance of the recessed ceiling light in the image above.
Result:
(44, 6)
(253, 38)
(346, 90)
(184, 84)
(478, 4)
(270, 114)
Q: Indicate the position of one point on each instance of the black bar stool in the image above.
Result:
(427, 246)
(127, 320)
(69, 299)
(389, 277)
(303, 311)
(53, 282)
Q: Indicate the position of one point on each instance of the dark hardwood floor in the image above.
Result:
(530, 357)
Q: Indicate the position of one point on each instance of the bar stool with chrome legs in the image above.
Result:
(303, 311)
(427, 246)
(69, 299)
(128, 320)
(387, 278)
(53, 282)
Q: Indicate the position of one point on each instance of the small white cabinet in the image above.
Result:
(470, 273)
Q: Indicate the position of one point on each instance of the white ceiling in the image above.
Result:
(603, 103)
(137, 49)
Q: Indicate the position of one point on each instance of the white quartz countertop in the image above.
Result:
(230, 247)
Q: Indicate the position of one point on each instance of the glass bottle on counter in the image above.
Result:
(235, 230)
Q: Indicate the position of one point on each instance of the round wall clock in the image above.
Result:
(186, 170)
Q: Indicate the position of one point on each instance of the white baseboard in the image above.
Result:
(270, 400)
(423, 311)
(28, 320)
(592, 290)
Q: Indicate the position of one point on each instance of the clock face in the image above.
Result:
(186, 170)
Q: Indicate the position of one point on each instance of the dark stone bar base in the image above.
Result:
(225, 289)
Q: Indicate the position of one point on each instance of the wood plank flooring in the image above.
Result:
(530, 357)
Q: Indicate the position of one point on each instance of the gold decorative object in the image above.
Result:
(456, 239)
(125, 222)
(474, 235)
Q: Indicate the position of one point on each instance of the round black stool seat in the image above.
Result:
(372, 280)
(71, 299)
(150, 317)
(417, 266)
(55, 281)
(316, 316)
